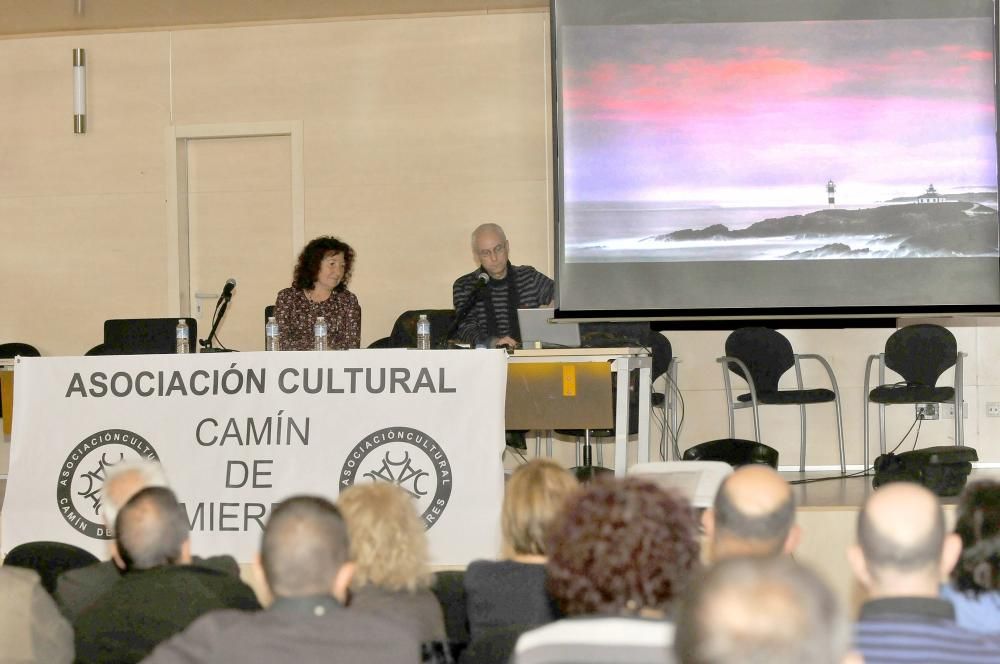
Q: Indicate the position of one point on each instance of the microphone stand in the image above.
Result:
(220, 311)
(462, 313)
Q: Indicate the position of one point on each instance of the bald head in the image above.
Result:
(152, 530)
(760, 610)
(901, 532)
(753, 514)
(124, 480)
(304, 549)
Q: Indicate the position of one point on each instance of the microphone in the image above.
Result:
(220, 311)
(477, 290)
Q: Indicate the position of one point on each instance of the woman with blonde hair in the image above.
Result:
(389, 548)
(511, 593)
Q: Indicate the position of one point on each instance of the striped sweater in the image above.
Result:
(534, 289)
(899, 630)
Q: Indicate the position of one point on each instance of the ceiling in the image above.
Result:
(33, 17)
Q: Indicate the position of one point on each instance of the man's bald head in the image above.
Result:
(901, 530)
(124, 480)
(759, 609)
(305, 547)
(753, 514)
(152, 530)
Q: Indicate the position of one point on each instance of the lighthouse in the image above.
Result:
(831, 189)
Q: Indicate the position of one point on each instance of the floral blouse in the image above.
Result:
(296, 314)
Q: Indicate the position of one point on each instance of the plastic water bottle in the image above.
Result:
(423, 333)
(271, 334)
(319, 332)
(183, 337)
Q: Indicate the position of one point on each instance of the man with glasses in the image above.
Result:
(492, 319)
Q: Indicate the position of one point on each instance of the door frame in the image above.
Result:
(177, 139)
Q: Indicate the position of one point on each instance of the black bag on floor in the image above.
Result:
(943, 469)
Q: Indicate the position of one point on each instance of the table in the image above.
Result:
(7, 393)
(623, 361)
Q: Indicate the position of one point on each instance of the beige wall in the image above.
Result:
(414, 130)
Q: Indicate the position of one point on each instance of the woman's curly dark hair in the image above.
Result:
(620, 547)
(978, 524)
(307, 267)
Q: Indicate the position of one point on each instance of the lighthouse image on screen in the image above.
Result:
(779, 140)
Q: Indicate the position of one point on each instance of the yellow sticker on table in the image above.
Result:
(569, 380)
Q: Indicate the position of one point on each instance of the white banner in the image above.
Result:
(237, 433)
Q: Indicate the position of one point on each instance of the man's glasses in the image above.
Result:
(496, 251)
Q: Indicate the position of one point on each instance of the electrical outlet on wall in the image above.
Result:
(927, 411)
(993, 409)
(948, 410)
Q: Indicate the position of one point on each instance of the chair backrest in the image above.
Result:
(921, 353)
(495, 646)
(449, 588)
(14, 349)
(404, 331)
(143, 336)
(766, 352)
(49, 559)
(698, 481)
(612, 335)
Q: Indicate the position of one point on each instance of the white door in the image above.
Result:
(240, 227)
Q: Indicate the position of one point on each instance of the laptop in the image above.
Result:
(537, 328)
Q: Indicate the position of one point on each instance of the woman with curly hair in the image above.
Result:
(512, 591)
(393, 576)
(619, 555)
(975, 581)
(319, 288)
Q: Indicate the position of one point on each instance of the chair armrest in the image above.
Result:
(868, 373)
(826, 365)
(724, 361)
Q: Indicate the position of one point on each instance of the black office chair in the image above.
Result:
(12, 350)
(449, 589)
(919, 354)
(145, 336)
(404, 330)
(761, 356)
(49, 559)
(495, 646)
(611, 335)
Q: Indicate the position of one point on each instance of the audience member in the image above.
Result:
(975, 582)
(389, 549)
(78, 588)
(512, 591)
(766, 610)
(619, 554)
(753, 514)
(508, 597)
(319, 288)
(305, 558)
(492, 320)
(32, 631)
(902, 556)
(159, 593)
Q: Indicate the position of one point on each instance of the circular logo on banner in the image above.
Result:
(81, 478)
(408, 458)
